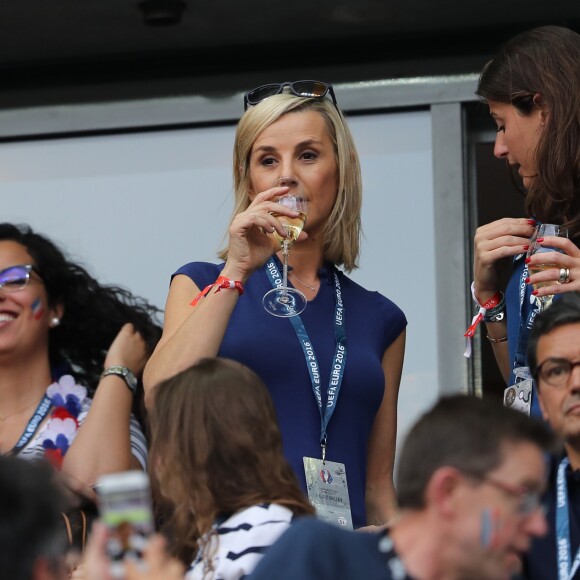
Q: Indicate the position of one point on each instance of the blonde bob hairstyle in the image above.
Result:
(343, 230)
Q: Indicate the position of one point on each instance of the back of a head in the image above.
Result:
(465, 432)
(215, 424)
(565, 310)
(30, 518)
(216, 448)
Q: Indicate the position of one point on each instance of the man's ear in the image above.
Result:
(442, 489)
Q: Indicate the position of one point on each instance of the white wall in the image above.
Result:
(135, 207)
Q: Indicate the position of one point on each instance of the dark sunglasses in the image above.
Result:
(311, 89)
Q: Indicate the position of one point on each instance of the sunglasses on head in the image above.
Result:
(309, 89)
(15, 278)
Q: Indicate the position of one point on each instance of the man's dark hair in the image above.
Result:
(565, 310)
(465, 432)
(30, 517)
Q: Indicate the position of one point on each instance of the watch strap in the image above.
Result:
(125, 373)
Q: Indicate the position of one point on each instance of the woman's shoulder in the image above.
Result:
(371, 299)
(199, 270)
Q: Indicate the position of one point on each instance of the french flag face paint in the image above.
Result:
(486, 528)
(490, 528)
(37, 309)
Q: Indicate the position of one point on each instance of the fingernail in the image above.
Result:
(532, 222)
(539, 240)
(527, 280)
(528, 260)
(535, 292)
(526, 247)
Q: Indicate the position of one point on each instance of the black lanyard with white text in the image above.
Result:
(41, 412)
(339, 360)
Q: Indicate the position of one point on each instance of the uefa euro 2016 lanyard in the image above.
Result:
(339, 360)
(37, 418)
(566, 570)
(523, 383)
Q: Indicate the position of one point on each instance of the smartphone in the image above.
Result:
(125, 507)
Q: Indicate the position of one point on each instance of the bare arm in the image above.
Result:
(493, 242)
(381, 503)
(498, 330)
(190, 333)
(102, 444)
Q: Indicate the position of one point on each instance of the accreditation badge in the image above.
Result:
(519, 396)
(328, 491)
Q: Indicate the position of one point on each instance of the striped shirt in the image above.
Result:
(34, 449)
(237, 544)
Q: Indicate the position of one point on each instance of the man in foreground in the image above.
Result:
(469, 481)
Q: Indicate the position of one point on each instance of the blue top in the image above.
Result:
(540, 563)
(270, 347)
(314, 550)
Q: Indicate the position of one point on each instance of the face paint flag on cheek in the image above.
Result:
(490, 528)
(37, 309)
(485, 528)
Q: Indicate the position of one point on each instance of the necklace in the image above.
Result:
(4, 417)
(313, 288)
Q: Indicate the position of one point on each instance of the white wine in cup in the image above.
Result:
(293, 225)
(284, 301)
(542, 231)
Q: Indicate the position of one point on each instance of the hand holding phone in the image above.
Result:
(124, 501)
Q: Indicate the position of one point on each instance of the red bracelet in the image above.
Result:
(221, 282)
(487, 305)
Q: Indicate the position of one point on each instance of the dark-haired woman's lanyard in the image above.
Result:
(524, 381)
(326, 480)
(566, 568)
(37, 418)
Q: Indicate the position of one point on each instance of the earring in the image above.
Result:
(54, 321)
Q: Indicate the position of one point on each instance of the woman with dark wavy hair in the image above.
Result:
(216, 456)
(532, 87)
(71, 350)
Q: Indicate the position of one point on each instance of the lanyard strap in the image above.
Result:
(33, 424)
(566, 570)
(526, 320)
(339, 360)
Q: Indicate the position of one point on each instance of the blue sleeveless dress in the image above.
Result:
(269, 346)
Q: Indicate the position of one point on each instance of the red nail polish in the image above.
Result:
(535, 292)
(526, 247)
(528, 260)
(532, 222)
(527, 280)
(539, 240)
